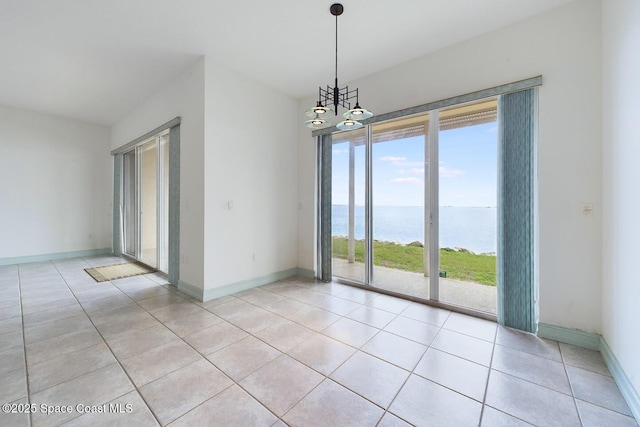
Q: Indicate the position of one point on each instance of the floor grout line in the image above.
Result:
(24, 345)
(109, 347)
(285, 296)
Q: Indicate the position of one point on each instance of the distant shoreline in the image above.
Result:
(419, 244)
(420, 206)
(473, 228)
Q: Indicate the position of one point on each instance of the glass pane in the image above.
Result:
(468, 205)
(398, 193)
(347, 210)
(129, 203)
(148, 203)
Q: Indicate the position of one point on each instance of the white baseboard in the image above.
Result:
(596, 342)
(569, 336)
(306, 274)
(209, 294)
(54, 256)
(190, 290)
(622, 380)
(232, 288)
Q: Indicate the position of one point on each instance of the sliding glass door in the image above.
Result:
(146, 201)
(129, 203)
(467, 193)
(399, 183)
(148, 219)
(429, 184)
(347, 205)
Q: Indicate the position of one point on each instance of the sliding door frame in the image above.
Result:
(368, 207)
(432, 206)
(173, 261)
(160, 186)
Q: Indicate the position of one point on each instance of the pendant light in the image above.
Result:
(336, 97)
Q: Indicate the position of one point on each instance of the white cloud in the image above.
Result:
(392, 159)
(410, 164)
(446, 172)
(409, 180)
(340, 151)
(412, 171)
(401, 162)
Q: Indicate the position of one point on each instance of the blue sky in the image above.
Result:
(468, 169)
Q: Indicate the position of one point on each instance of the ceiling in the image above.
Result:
(96, 60)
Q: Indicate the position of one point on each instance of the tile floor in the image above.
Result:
(289, 353)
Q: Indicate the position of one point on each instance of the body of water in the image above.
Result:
(471, 228)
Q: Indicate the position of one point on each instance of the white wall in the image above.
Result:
(621, 178)
(55, 185)
(564, 47)
(225, 158)
(250, 162)
(182, 97)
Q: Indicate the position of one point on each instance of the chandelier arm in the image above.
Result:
(350, 94)
(336, 95)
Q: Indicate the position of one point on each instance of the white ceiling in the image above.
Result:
(95, 60)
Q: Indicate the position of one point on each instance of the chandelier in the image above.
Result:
(336, 97)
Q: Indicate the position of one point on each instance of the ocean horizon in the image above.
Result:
(472, 228)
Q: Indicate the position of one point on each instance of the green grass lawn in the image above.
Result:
(458, 265)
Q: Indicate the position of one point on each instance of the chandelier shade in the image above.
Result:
(357, 113)
(316, 122)
(318, 110)
(337, 97)
(349, 124)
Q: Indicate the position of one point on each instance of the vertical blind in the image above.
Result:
(117, 197)
(324, 215)
(516, 197)
(173, 269)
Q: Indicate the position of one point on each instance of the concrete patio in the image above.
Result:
(466, 294)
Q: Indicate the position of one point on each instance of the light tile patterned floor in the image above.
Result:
(292, 353)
